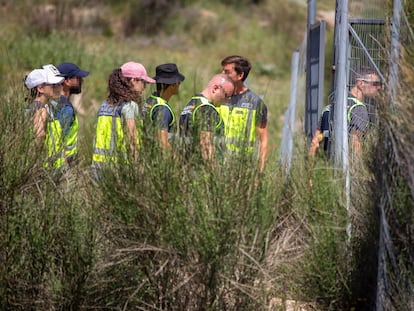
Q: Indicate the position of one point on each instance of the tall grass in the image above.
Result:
(169, 236)
(187, 237)
(394, 188)
(46, 232)
(157, 234)
(164, 233)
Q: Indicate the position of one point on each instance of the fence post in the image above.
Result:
(340, 122)
(289, 123)
(340, 110)
(311, 12)
(395, 52)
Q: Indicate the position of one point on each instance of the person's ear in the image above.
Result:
(133, 81)
(40, 89)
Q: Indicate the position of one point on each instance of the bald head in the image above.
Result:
(219, 79)
(219, 88)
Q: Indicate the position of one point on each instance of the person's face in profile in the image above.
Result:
(371, 84)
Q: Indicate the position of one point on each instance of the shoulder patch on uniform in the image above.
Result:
(246, 105)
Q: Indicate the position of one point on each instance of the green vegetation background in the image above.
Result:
(163, 235)
(195, 35)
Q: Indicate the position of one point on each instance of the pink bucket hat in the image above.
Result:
(135, 70)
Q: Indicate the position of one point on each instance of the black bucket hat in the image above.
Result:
(168, 74)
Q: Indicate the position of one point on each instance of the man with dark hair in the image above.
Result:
(365, 83)
(66, 113)
(245, 115)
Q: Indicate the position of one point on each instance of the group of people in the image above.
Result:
(225, 117)
(53, 116)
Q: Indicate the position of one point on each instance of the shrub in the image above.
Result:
(47, 237)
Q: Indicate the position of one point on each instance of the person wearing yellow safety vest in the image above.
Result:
(365, 83)
(157, 110)
(245, 114)
(200, 123)
(65, 112)
(116, 130)
(45, 85)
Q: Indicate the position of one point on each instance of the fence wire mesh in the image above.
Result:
(373, 26)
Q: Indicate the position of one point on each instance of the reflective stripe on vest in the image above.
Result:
(356, 103)
(161, 102)
(239, 128)
(109, 140)
(205, 102)
(54, 143)
(71, 138)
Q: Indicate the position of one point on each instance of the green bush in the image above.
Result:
(165, 233)
(189, 236)
(47, 237)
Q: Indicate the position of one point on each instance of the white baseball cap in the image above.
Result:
(48, 74)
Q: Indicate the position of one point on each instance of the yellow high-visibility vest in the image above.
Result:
(239, 127)
(109, 144)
